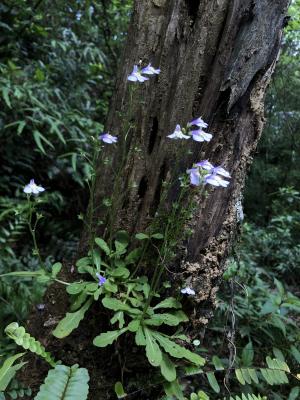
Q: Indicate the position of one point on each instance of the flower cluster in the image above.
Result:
(204, 172)
(188, 132)
(136, 74)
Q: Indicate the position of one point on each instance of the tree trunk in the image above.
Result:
(216, 59)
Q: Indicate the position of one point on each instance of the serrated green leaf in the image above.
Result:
(177, 351)
(153, 351)
(106, 338)
(140, 339)
(117, 305)
(169, 302)
(167, 368)
(71, 321)
(103, 246)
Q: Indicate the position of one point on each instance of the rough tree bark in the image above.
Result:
(216, 59)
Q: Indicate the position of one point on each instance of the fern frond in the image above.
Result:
(65, 383)
(22, 338)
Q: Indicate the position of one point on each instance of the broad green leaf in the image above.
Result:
(83, 262)
(103, 245)
(56, 268)
(169, 302)
(213, 382)
(106, 338)
(76, 287)
(167, 368)
(71, 321)
(8, 370)
(153, 351)
(120, 272)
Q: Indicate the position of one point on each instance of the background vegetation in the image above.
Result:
(57, 68)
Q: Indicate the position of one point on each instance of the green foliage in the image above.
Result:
(9, 369)
(22, 338)
(65, 383)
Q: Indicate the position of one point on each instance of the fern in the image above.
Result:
(275, 374)
(65, 383)
(248, 397)
(22, 338)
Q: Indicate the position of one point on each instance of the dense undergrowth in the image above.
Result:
(57, 73)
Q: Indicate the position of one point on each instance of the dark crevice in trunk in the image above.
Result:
(158, 191)
(193, 7)
(143, 187)
(153, 135)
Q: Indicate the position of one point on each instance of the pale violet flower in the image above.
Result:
(200, 136)
(149, 70)
(178, 134)
(205, 165)
(107, 138)
(136, 75)
(33, 188)
(195, 177)
(221, 171)
(198, 122)
(101, 278)
(216, 180)
(188, 291)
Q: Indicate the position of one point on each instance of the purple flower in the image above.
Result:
(195, 177)
(205, 165)
(107, 138)
(215, 180)
(33, 188)
(200, 136)
(178, 134)
(101, 278)
(188, 291)
(136, 75)
(221, 171)
(198, 122)
(149, 70)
